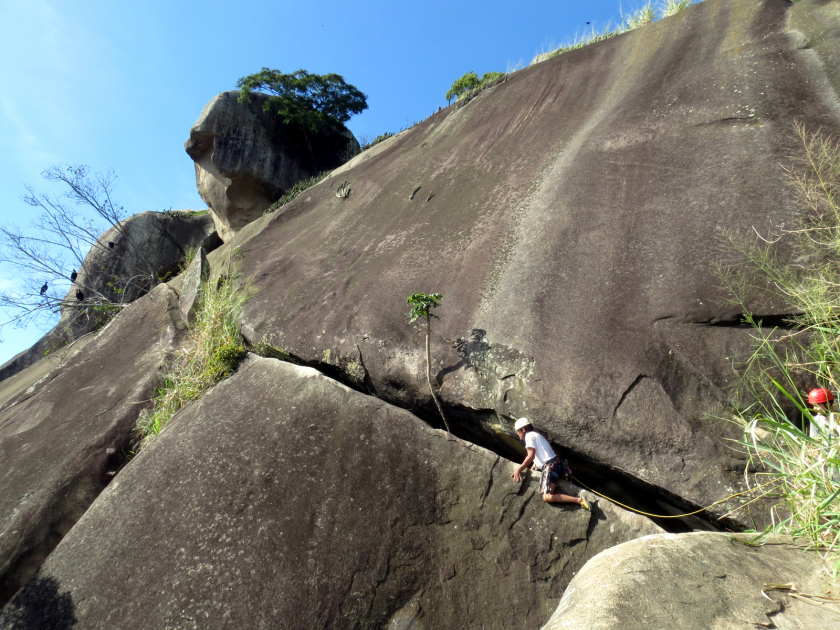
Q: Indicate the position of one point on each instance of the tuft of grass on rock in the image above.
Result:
(672, 7)
(798, 267)
(296, 190)
(631, 21)
(213, 353)
(377, 140)
(641, 17)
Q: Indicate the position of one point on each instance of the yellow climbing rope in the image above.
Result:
(731, 496)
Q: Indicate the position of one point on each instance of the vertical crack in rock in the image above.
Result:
(627, 391)
(367, 381)
(489, 480)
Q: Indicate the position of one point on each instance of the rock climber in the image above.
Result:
(554, 470)
(825, 420)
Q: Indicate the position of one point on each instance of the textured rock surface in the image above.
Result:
(63, 435)
(286, 500)
(695, 582)
(197, 272)
(246, 158)
(573, 232)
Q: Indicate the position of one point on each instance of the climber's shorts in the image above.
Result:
(551, 474)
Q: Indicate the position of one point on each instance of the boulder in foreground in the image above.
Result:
(283, 499)
(65, 431)
(697, 581)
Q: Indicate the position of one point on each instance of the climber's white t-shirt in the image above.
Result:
(542, 449)
(828, 425)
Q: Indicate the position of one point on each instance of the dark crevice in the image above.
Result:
(489, 482)
(368, 383)
(782, 321)
(642, 496)
(472, 425)
(627, 391)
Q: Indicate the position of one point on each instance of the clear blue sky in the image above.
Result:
(118, 85)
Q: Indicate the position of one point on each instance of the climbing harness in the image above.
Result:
(731, 496)
(563, 468)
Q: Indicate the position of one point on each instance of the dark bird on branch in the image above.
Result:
(44, 288)
(73, 276)
(80, 296)
(111, 244)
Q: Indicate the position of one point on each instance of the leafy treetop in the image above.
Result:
(314, 101)
(421, 305)
(470, 81)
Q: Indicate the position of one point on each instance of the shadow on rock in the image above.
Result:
(472, 353)
(39, 606)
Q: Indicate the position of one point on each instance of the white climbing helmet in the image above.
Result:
(522, 422)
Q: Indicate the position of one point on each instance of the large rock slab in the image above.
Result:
(573, 231)
(64, 432)
(695, 582)
(245, 158)
(283, 499)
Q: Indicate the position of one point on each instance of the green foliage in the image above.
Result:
(469, 82)
(215, 350)
(798, 267)
(421, 305)
(225, 359)
(296, 190)
(314, 101)
(461, 86)
(487, 77)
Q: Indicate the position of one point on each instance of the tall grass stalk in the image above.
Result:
(672, 7)
(800, 268)
(638, 18)
(214, 351)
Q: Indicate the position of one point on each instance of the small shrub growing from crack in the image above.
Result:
(213, 353)
(343, 190)
(421, 306)
(296, 190)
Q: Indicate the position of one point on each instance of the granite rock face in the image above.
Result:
(63, 436)
(575, 221)
(283, 499)
(695, 582)
(245, 158)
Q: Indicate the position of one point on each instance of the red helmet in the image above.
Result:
(819, 395)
